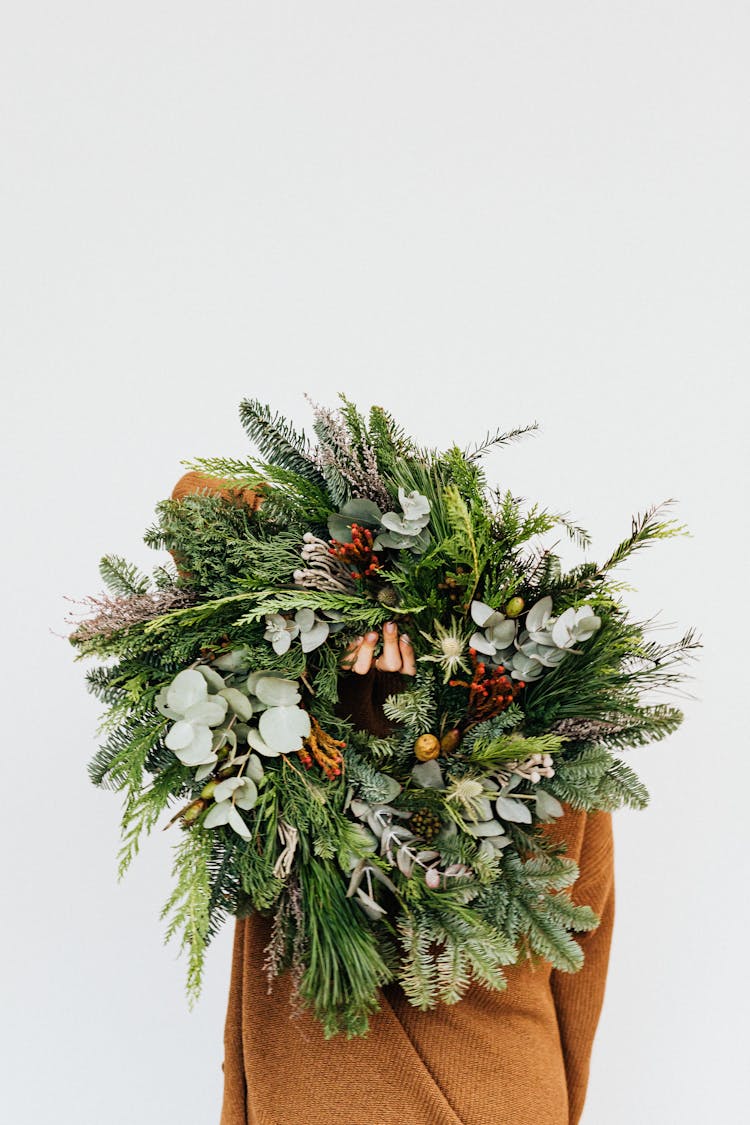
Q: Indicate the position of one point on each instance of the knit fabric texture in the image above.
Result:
(516, 1057)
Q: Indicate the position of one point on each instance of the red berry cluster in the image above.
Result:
(491, 691)
(359, 553)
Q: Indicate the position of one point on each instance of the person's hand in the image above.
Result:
(397, 654)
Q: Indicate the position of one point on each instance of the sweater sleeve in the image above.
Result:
(361, 699)
(579, 996)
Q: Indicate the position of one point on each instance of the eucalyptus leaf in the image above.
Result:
(254, 768)
(238, 703)
(254, 739)
(547, 806)
(360, 510)
(188, 687)
(284, 728)
(516, 811)
(209, 712)
(214, 681)
(277, 692)
(486, 828)
(428, 775)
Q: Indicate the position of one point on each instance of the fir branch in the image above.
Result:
(418, 973)
(120, 761)
(369, 783)
(121, 577)
(621, 786)
(288, 496)
(496, 751)
(490, 729)
(389, 441)
(279, 442)
(414, 707)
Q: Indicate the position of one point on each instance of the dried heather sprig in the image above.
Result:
(114, 615)
(339, 452)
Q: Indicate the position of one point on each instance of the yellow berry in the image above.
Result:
(427, 747)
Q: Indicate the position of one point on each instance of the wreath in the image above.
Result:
(421, 853)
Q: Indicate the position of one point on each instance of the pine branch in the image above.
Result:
(645, 529)
(499, 437)
(418, 975)
(621, 786)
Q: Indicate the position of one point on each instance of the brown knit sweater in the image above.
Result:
(517, 1057)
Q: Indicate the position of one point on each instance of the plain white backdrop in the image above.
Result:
(477, 215)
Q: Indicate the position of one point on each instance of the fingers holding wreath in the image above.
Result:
(408, 660)
(397, 653)
(390, 658)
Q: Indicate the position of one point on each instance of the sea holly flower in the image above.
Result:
(471, 794)
(232, 794)
(450, 647)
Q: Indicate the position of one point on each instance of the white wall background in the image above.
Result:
(475, 214)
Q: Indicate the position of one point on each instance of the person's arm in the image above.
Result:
(579, 996)
(192, 482)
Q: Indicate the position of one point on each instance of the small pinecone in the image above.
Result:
(388, 596)
(425, 823)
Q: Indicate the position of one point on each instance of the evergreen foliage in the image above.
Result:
(417, 855)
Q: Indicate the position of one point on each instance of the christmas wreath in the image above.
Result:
(420, 855)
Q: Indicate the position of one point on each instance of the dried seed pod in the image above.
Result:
(427, 747)
(193, 811)
(450, 741)
(425, 823)
(388, 596)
